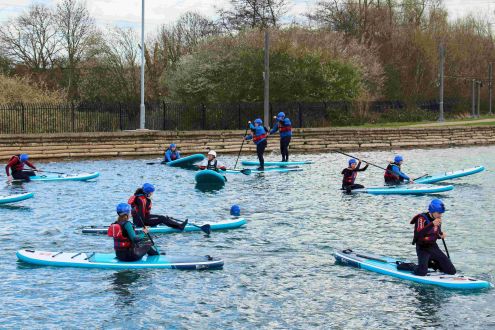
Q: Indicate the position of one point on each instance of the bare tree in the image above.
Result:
(76, 27)
(253, 14)
(31, 38)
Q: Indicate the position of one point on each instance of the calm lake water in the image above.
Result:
(279, 271)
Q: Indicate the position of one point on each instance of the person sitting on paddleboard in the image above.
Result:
(211, 163)
(393, 174)
(128, 245)
(258, 135)
(427, 229)
(141, 210)
(350, 174)
(284, 125)
(16, 165)
(171, 154)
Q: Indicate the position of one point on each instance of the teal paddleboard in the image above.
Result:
(209, 177)
(388, 266)
(450, 175)
(224, 225)
(254, 163)
(65, 177)
(186, 161)
(410, 189)
(108, 260)
(15, 198)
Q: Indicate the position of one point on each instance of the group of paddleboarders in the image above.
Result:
(260, 133)
(393, 174)
(427, 225)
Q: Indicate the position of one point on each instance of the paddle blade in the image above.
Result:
(246, 171)
(206, 228)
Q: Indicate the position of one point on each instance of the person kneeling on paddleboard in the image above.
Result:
(350, 174)
(211, 163)
(128, 245)
(285, 126)
(393, 174)
(171, 154)
(16, 164)
(141, 210)
(427, 229)
(258, 135)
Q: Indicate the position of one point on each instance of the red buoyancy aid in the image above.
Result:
(18, 166)
(146, 202)
(257, 138)
(420, 221)
(120, 239)
(349, 179)
(390, 176)
(173, 155)
(284, 128)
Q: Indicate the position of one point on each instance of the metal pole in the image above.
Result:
(479, 94)
(142, 117)
(442, 64)
(266, 75)
(490, 88)
(473, 99)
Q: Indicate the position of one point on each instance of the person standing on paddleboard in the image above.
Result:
(393, 174)
(258, 135)
(427, 229)
(284, 125)
(128, 245)
(16, 165)
(350, 173)
(171, 154)
(141, 210)
(211, 163)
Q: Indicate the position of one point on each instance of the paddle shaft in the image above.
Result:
(446, 250)
(242, 145)
(43, 171)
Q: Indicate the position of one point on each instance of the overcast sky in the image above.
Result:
(127, 12)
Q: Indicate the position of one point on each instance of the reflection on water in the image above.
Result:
(124, 283)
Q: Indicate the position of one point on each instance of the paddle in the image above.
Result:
(205, 228)
(242, 145)
(245, 171)
(446, 250)
(362, 160)
(154, 163)
(148, 234)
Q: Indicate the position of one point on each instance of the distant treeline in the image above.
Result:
(344, 51)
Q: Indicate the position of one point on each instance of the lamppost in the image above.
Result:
(142, 109)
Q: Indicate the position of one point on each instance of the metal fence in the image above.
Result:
(104, 117)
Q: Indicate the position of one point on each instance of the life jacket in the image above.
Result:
(18, 166)
(212, 165)
(145, 201)
(431, 235)
(121, 240)
(257, 138)
(390, 176)
(284, 128)
(349, 178)
(173, 154)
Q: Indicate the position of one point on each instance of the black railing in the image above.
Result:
(104, 117)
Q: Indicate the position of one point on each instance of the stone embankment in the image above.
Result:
(152, 143)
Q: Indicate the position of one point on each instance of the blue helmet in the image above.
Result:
(23, 157)
(436, 205)
(398, 159)
(281, 115)
(352, 161)
(172, 145)
(258, 121)
(148, 188)
(123, 208)
(235, 210)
